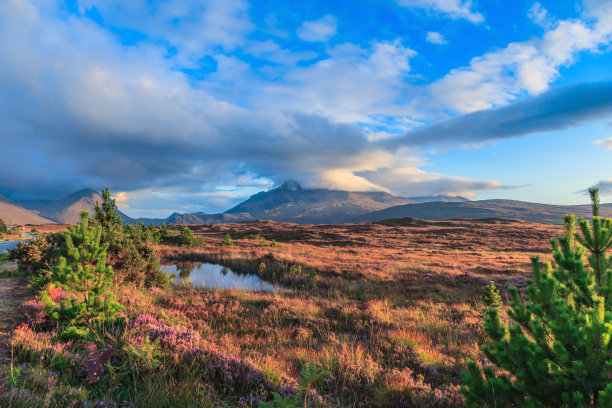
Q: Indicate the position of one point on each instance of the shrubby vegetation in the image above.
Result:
(186, 238)
(3, 228)
(130, 253)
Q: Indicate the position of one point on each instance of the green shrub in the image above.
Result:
(557, 350)
(3, 227)
(39, 253)
(186, 238)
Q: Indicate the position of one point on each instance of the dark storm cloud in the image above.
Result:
(556, 109)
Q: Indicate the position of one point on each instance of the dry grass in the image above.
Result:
(393, 318)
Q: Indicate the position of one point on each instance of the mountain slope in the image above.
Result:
(68, 209)
(12, 213)
(509, 209)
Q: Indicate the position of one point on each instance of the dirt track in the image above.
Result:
(13, 291)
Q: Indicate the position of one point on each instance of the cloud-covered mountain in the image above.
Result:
(292, 203)
(12, 213)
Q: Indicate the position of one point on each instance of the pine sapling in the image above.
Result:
(556, 350)
(79, 290)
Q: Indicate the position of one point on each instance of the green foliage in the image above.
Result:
(490, 296)
(273, 243)
(129, 252)
(3, 227)
(557, 350)
(79, 288)
(227, 241)
(107, 215)
(38, 254)
(311, 280)
(186, 238)
(262, 242)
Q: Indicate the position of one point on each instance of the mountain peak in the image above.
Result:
(290, 185)
(84, 192)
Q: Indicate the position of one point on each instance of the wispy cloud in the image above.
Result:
(607, 143)
(457, 9)
(319, 30)
(436, 38)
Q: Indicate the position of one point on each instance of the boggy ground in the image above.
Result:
(375, 315)
(395, 313)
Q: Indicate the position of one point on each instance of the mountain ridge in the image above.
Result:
(292, 203)
(14, 214)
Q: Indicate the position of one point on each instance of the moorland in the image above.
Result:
(379, 314)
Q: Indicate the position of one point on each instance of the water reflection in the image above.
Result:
(208, 275)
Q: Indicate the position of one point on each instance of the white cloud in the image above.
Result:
(350, 84)
(539, 15)
(436, 38)
(319, 30)
(605, 143)
(498, 77)
(457, 9)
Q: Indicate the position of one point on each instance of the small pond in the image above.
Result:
(208, 275)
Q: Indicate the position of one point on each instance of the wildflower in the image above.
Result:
(50, 372)
(23, 366)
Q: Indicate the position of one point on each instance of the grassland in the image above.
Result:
(375, 315)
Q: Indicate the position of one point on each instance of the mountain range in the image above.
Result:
(292, 203)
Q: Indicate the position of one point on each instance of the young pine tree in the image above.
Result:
(557, 350)
(227, 241)
(83, 280)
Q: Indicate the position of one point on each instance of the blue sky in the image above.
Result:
(195, 105)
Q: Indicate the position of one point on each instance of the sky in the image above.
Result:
(194, 105)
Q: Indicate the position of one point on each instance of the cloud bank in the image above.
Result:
(186, 97)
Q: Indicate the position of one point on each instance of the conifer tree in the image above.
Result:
(556, 351)
(227, 241)
(490, 296)
(107, 215)
(83, 278)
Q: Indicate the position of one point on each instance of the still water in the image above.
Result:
(8, 245)
(208, 275)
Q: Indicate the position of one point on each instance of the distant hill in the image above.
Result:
(292, 203)
(455, 199)
(68, 209)
(507, 209)
(12, 214)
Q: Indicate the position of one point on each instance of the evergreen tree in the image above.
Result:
(130, 255)
(227, 241)
(557, 350)
(83, 278)
(108, 215)
(186, 238)
(490, 296)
